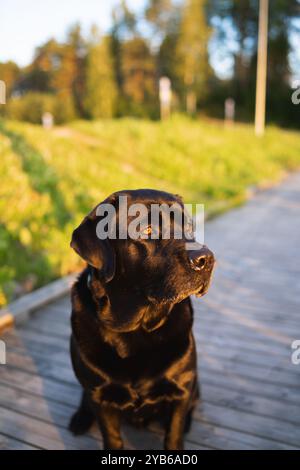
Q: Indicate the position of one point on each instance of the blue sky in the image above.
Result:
(25, 24)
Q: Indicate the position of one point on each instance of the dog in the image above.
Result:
(132, 346)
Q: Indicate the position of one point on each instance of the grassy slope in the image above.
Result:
(50, 179)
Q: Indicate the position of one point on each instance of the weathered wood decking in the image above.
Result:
(244, 328)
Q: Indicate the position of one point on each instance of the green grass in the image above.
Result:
(50, 179)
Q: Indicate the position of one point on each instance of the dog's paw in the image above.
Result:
(176, 444)
(113, 445)
(80, 423)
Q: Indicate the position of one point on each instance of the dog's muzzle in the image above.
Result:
(202, 259)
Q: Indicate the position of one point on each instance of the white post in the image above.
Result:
(47, 120)
(2, 92)
(261, 74)
(2, 352)
(229, 111)
(165, 96)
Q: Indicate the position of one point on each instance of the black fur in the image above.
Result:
(132, 345)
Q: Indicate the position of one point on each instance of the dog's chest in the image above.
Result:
(137, 396)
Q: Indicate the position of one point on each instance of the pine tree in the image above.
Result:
(159, 13)
(77, 44)
(192, 55)
(100, 87)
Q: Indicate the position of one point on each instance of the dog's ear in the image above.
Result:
(179, 198)
(96, 252)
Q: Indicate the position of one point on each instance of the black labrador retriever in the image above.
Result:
(132, 345)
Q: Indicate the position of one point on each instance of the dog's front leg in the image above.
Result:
(175, 427)
(109, 421)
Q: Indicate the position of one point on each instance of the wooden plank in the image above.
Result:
(241, 384)
(265, 362)
(252, 327)
(218, 346)
(237, 336)
(41, 434)
(261, 426)
(228, 438)
(20, 308)
(256, 405)
(210, 318)
(9, 443)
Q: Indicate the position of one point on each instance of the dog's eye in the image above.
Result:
(147, 230)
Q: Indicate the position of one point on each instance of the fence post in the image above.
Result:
(165, 95)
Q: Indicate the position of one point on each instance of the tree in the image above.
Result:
(192, 55)
(100, 86)
(163, 16)
(10, 74)
(134, 65)
(123, 28)
(167, 60)
(38, 75)
(138, 75)
(159, 13)
(236, 24)
(78, 45)
(124, 21)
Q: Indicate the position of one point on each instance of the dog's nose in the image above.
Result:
(201, 259)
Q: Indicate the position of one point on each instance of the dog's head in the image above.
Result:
(144, 263)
